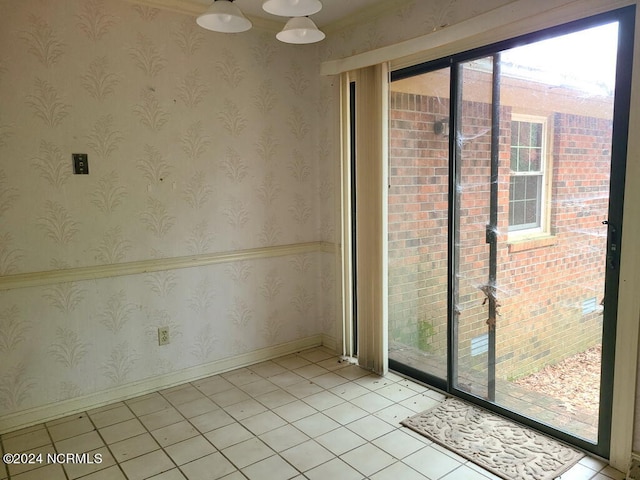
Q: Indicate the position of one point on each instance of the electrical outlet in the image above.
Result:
(163, 336)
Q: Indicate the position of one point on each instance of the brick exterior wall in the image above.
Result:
(541, 283)
(418, 199)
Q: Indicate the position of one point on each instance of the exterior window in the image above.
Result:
(526, 189)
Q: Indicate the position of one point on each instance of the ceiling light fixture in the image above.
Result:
(292, 8)
(223, 16)
(300, 30)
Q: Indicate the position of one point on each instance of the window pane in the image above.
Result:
(514, 159)
(525, 193)
(526, 146)
(536, 134)
(531, 212)
(523, 163)
(515, 127)
(518, 213)
(524, 138)
(532, 187)
(535, 165)
(517, 188)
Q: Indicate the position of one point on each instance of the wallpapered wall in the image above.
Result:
(198, 143)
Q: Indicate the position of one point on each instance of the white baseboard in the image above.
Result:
(331, 343)
(63, 408)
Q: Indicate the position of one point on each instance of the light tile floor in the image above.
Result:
(307, 415)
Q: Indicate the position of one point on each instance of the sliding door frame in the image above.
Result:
(516, 18)
(625, 17)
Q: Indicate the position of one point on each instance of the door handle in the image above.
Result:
(612, 252)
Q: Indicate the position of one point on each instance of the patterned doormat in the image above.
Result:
(505, 448)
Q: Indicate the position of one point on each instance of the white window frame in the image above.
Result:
(544, 228)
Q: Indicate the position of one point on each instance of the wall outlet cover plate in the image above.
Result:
(80, 163)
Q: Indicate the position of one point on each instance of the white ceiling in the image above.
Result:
(332, 10)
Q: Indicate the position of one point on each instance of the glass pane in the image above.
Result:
(536, 135)
(525, 201)
(526, 146)
(517, 210)
(536, 302)
(549, 291)
(531, 212)
(535, 159)
(418, 219)
(523, 159)
(531, 191)
(474, 200)
(524, 138)
(532, 188)
(514, 158)
(518, 188)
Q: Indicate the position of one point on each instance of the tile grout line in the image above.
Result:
(238, 469)
(202, 434)
(302, 399)
(339, 425)
(276, 453)
(199, 432)
(279, 454)
(55, 449)
(289, 365)
(97, 430)
(396, 427)
(5, 466)
(53, 445)
(161, 447)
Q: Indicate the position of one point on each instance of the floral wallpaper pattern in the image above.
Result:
(198, 143)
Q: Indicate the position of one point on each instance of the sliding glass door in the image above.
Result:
(505, 180)
(418, 218)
